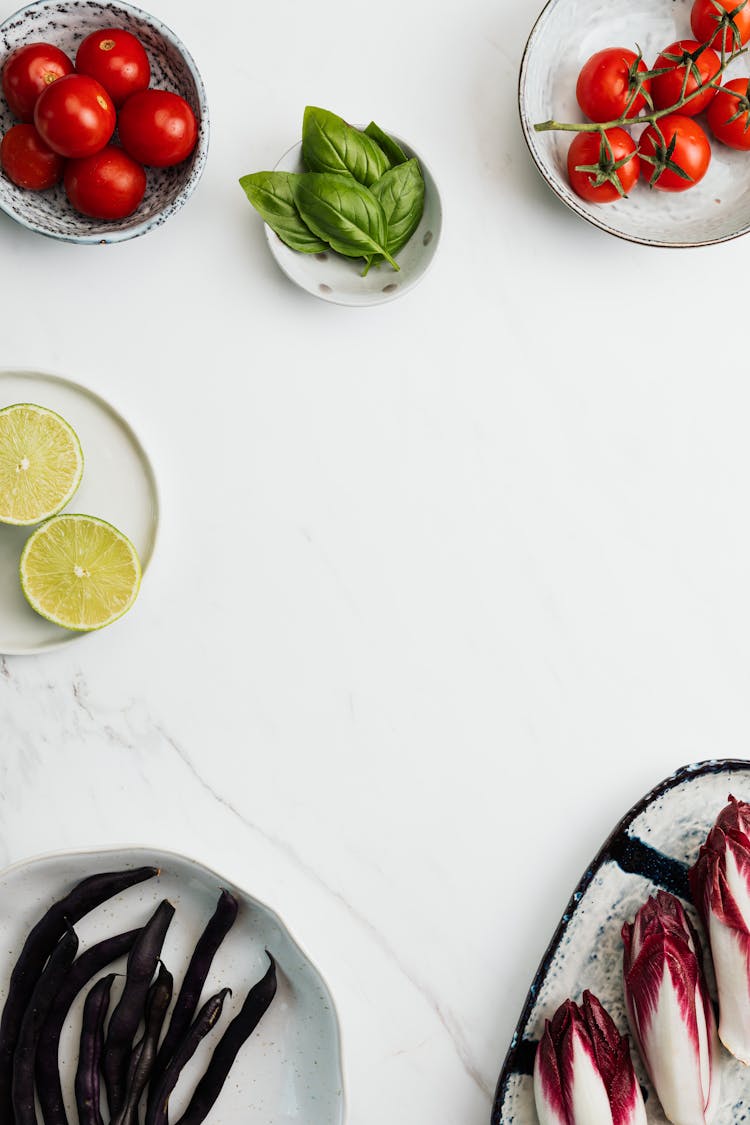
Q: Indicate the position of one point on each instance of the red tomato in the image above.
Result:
(157, 128)
(29, 70)
(726, 106)
(677, 148)
(711, 25)
(28, 161)
(107, 185)
(117, 59)
(594, 163)
(608, 81)
(75, 116)
(666, 89)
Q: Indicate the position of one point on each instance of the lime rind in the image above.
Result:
(72, 552)
(73, 472)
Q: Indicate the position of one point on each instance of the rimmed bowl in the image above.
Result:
(565, 35)
(339, 280)
(65, 23)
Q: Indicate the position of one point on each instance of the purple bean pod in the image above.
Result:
(42, 998)
(38, 946)
(87, 1088)
(144, 1053)
(186, 1004)
(84, 969)
(157, 1112)
(237, 1033)
(126, 1017)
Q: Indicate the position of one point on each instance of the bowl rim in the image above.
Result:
(330, 298)
(571, 202)
(200, 151)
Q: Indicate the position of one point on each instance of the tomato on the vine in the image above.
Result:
(28, 71)
(117, 59)
(603, 166)
(675, 153)
(28, 161)
(729, 114)
(107, 185)
(608, 81)
(158, 128)
(75, 116)
(701, 63)
(713, 25)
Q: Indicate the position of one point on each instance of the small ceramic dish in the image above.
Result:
(650, 849)
(335, 278)
(565, 35)
(65, 23)
(289, 1071)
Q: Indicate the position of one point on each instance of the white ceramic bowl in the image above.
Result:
(337, 279)
(566, 34)
(65, 23)
(289, 1072)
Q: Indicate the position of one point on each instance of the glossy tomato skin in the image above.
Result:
(666, 89)
(28, 161)
(27, 72)
(728, 100)
(107, 185)
(704, 18)
(75, 116)
(157, 128)
(586, 149)
(603, 87)
(117, 60)
(692, 152)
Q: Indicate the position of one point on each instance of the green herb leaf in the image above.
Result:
(401, 193)
(330, 145)
(344, 213)
(391, 148)
(272, 195)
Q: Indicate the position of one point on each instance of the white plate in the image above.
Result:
(289, 1071)
(337, 279)
(118, 485)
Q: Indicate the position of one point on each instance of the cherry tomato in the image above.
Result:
(731, 101)
(117, 59)
(678, 148)
(666, 89)
(712, 26)
(29, 70)
(596, 162)
(75, 116)
(28, 161)
(107, 185)
(157, 128)
(608, 81)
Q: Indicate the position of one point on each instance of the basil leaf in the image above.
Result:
(343, 212)
(401, 193)
(330, 145)
(272, 195)
(391, 148)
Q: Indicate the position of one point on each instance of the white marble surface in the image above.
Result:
(442, 586)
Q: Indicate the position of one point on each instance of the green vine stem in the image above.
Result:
(650, 118)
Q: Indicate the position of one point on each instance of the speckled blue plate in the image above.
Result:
(65, 23)
(650, 849)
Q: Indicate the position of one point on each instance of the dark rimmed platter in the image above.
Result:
(650, 849)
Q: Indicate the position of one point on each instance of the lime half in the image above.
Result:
(79, 572)
(41, 463)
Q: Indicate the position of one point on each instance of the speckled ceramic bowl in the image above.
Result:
(566, 34)
(337, 279)
(650, 849)
(65, 23)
